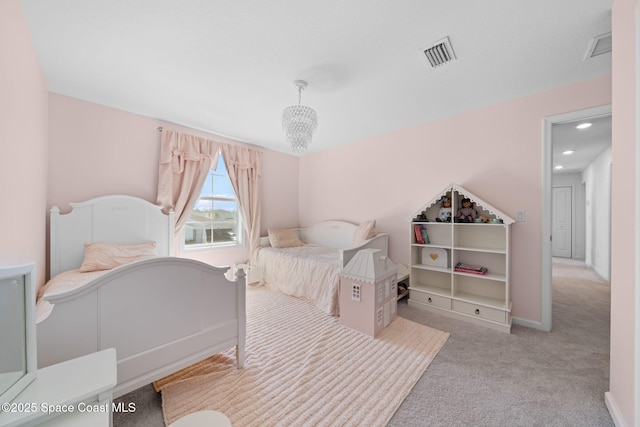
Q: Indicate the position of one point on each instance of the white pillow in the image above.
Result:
(284, 238)
(364, 232)
(105, 256)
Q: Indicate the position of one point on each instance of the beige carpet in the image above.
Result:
(305, 368)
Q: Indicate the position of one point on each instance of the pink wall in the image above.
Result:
(624, 340)
(23, 145)
(387, 178)
(96, 150)
(495, 153)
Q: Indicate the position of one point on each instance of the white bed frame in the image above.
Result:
(340, 234)
(333, 234)
(160, 314)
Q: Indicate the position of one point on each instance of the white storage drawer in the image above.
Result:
(480, 311)
(430, 299)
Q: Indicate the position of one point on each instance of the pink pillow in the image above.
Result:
(105, 256)
(284, 238)
(364, 232)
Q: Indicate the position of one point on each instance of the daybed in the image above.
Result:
(161, 313)
(307, 262)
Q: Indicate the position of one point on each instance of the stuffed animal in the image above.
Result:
(466, 213)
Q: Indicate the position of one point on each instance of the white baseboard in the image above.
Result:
(613, 410)
(528, 323)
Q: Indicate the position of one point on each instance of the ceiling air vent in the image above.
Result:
(599, 45)
(439, 53)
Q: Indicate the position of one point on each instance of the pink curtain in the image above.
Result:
(185, 161)
(243, 165)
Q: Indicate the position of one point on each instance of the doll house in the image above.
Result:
(368, 292)
(460, 268)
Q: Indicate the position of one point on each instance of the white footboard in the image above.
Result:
(160, 315)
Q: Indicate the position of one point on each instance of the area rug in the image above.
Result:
(305, 368)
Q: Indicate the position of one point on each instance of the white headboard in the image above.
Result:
(110, 219)
(333, 234)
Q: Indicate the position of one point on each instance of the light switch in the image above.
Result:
(520, 216)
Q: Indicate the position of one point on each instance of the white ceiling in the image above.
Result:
(227, 66)
(586, 144)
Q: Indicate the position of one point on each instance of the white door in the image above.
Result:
(561, 222)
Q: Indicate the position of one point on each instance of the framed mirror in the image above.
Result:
(18, 356)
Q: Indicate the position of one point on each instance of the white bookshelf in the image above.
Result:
(435, 285)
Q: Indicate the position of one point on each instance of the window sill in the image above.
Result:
(215, 247)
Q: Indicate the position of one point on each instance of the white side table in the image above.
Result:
(76, 392)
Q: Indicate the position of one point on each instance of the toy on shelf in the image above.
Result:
(471, 269)
(444, 215)
(420, 218)
(466, 213)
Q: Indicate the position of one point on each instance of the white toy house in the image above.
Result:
(368, 292)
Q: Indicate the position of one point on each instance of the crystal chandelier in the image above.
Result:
(299, 122)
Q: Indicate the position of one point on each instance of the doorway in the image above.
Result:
(561, 221)
(552, 163)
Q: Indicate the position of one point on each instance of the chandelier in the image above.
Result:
(299, 122)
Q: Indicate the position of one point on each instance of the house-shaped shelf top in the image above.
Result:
(455, 193)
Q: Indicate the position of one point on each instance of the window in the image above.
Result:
(214, 220)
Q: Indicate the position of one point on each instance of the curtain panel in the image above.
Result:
(243, 165)
(185, 161)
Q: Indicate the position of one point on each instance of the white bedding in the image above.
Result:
(310, 272)
(63, 282)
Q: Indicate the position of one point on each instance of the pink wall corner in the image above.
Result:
(23, 147)
(97, 150)
(494, 152)
(279, 191)
(625, 113)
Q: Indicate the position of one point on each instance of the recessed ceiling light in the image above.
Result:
(583, 125)
(559, 167)
(566, 153)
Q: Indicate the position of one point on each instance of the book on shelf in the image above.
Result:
(422, 237)
(471, 269)
(418, 232)
(425, 236)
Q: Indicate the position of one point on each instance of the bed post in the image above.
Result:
(241, 290)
